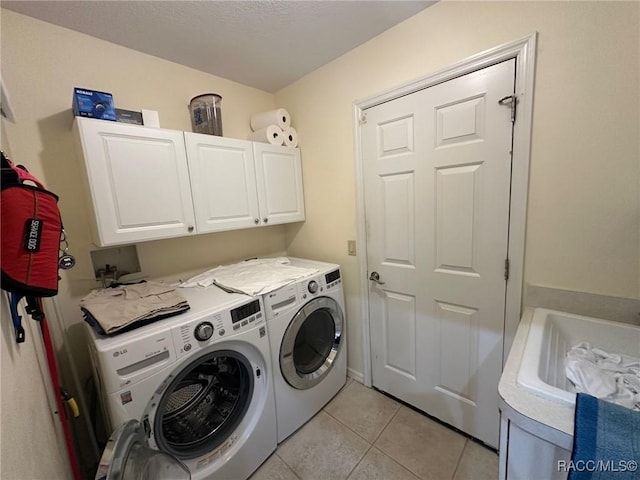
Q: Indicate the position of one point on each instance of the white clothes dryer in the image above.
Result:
(198, 386)
(306, 323)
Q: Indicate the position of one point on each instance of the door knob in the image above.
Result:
(375, 276)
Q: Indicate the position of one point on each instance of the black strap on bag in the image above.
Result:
(33, 310)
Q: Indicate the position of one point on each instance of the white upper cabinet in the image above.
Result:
(240, 184)
(279, 181)
(138, 181)
(151, 183)
(222, 182)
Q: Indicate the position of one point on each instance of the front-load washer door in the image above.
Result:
(203, 404)
(127, 456)
(311, 343)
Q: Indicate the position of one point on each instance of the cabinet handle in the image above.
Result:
(190, 228)
(265, 220)
(256, 221)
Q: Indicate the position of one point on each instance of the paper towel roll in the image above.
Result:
(271, 134)
(279, 117)
(290, 137)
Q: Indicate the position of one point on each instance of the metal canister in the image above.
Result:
(206, 115)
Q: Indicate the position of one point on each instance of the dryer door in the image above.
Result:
(311, 343)
(128, 457)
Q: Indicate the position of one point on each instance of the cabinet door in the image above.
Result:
(529, 456)
(222, 182)
(138, 180)
(279, 181)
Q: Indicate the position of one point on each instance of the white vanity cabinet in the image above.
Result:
(151, 183)
(138, 181)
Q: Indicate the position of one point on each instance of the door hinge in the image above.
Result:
(363, 118)
(512, 101)
(506, 269)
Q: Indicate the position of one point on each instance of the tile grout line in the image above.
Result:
(387, 424)
(359, 462)
(404, 467)
(372, 443)
(415, 474)
(466, 442)
(359, 435)
(369, 443)
(324, 409)
(346, 426)
(288, 466)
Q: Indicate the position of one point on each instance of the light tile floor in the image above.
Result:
(364, 435)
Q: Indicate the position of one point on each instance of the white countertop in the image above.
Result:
(547, 419)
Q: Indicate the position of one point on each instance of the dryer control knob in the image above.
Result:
(203, 331)
(313, 286)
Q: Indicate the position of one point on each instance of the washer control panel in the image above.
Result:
(282, 300)
(201, 333)
(320, 284)
(333, 278)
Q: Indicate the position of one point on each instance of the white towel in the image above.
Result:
(611, 377)
(253, 277)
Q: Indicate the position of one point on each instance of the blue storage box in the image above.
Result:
(89, 103)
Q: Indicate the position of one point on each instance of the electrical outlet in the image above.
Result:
(351, 247)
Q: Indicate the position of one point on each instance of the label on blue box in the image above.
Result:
(89, 103)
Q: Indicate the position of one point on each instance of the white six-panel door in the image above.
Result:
(437, 169)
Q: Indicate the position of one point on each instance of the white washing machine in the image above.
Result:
(197, 386)
(306, 323)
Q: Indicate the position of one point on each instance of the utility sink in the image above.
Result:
(552, 334)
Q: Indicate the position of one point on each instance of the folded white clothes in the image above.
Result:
(118, 307)
(611, 377)
(252, 277)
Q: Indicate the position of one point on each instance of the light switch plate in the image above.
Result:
(351, 247)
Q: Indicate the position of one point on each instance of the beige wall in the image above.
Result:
(583, 229)
(26, 416)
(41, 63)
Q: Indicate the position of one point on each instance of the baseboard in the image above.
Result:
(355, 375)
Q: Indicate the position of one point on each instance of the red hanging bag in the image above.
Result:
(30, 236)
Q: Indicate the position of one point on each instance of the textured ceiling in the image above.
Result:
(264, 44)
